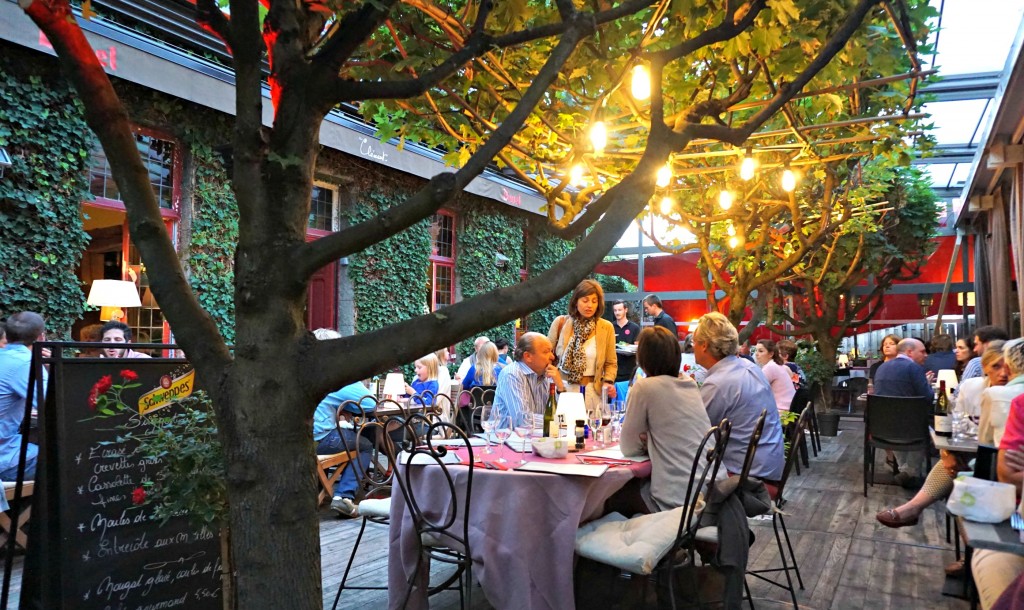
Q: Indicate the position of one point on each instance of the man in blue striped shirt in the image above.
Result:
(522, 388)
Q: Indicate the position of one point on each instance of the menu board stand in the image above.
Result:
(93, 542)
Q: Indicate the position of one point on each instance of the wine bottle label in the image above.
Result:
(942, 425)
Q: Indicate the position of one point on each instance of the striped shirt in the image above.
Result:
(520, 392)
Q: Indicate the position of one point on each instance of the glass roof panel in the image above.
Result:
(940, 173)
(976, 34)
(955, 121)
(960, 174)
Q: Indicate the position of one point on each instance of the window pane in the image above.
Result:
(443, 288)
(321, 209)
(444, 243)
(158, 157)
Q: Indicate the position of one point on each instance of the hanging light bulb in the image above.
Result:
(664, 176)
(666, 205)
(731, 230)
(576, 175)
(788, 179)
(734, 242)
(748, 165)
(725, 199)
(599, 136)
(641, 83)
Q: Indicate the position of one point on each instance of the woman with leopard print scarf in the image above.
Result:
(585, 344)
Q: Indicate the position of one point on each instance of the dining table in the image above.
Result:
(522, 527)
(948, 443)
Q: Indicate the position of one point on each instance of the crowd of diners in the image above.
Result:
(668, 411)
(990, 371)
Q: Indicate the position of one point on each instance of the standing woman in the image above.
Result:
(585, 344)
(766, 355)
(963, 353)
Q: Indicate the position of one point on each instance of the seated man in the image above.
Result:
(334, 436)
(736, 388)
(23, 329)
(522, 388)
(118, 333)
(904, 376)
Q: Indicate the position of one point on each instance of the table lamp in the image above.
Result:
(394, 386)
(111, 295)
(572, 406)
(949, 376)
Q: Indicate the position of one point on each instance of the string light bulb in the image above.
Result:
(725, 199)
(788, 179)
(576, 175)
(598, 136)
(734, 242)
(731, 230)
(666, 205)
(748, 165)
(664, 176)
(640, 85)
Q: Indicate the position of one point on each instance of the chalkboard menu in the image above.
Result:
(111, 552)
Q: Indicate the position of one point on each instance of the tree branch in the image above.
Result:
(369, 353)
(210, 17)
(352, 31)
(194, 329)
(314, 255)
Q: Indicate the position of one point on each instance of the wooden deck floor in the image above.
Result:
(848, 561)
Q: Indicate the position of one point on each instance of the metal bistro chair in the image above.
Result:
(898, 423)
(683, 552)
(478, 397)
(796, 438)
(376, 479)
(445, 538)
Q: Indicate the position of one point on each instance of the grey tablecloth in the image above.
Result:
(521, 536)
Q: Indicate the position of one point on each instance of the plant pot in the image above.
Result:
(828, 423)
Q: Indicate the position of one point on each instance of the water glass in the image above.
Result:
(502, 430)
(957, 424)
(525, 431)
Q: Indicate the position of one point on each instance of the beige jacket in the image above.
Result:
(604, 338)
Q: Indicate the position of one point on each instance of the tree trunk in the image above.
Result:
(827, 347)
(271, 486)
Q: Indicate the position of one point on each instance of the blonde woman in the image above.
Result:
(995, 402)
(485, 371)
(585, 344)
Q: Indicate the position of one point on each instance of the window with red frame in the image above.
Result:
(442, 260)
(158, 155)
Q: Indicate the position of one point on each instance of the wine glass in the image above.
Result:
(487, 413)
(596, 421)
(502, 430)
(618, 415)
(606, 420)
(524, 428)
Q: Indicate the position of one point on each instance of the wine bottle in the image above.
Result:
(550, 426)
(943, 426)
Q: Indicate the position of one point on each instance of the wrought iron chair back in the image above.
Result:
(479, 396)
(700, 478)
(441, 537)
(755, 438)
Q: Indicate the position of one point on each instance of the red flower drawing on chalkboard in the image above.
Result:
(139, 496)
(105, 395)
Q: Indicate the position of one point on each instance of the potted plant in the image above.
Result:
(819, 372)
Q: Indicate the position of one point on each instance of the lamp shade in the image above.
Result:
(113, 293)
(949, 376)
(394, 384)
(572, 406)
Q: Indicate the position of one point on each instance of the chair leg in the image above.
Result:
(785, 566)
(348, 567)
(750, 598)
(789, 545)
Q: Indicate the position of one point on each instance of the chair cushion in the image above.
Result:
(379, 508)
(635, 545)
(708, 534)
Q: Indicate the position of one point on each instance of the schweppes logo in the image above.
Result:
(169, 390)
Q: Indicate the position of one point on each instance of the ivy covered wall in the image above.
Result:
(41, 235)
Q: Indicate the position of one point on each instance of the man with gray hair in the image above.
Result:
(470, 360)
(522, 387)
(23, 329)
(737, 389)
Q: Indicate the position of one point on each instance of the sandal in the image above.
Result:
(892, 463)
(891, 518)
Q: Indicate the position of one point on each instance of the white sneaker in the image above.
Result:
(345, 507)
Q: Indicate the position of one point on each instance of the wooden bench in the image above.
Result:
(327, 481)
(20, 529)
